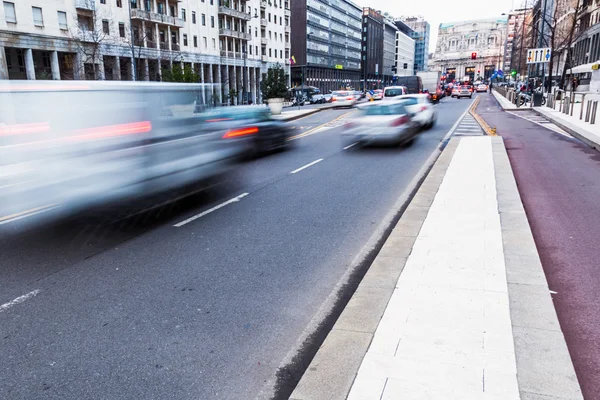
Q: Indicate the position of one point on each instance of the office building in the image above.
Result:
(515, 51)
(227, 42)
(389, 52)
(326, 44)
(372, 48)
(405, 50)
(420, 33)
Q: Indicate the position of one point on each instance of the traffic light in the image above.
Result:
(478, 71)
(473, 56)
(513, 72)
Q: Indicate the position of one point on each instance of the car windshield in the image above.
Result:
(393, 92)
(340, 93)
(387, 109)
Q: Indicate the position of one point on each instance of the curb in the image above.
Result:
(570, 128)
(486, 128)
(295, 117)
(334, 367)
(496, 95)
(544, 367)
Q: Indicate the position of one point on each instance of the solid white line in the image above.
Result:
(28, 215)
(202, 214)
(306, 166)
(18, 300)
(353, 144)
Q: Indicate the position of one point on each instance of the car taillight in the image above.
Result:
(400, 121)
(423, 108)
(350, 98)
(350, 125)
(234, 133)
(334, 99)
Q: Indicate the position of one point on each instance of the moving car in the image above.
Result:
(482, 87)
(382, 123)
(462, 91)
(343, 98)
(358, 94)
(328, 98)
(422, 108)
(393, 91)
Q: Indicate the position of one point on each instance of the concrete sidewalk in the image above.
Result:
(584, 131)
(456, 304)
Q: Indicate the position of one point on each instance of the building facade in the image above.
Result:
(421, 34)
(405, 50)
(390, 61)
(227, 42)
(517, 41)
(326, 44)
(471, 48)
(372, 48)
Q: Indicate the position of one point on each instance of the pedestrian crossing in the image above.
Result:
(532, 116)
(468, 127)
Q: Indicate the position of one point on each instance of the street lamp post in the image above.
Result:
(133, 66)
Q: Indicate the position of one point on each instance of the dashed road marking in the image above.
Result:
(306, 166)
(215, 208)
(541, 121)
(350, 145)
(18, 300)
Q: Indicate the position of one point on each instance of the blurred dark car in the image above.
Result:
(256, 122)
(318, 99)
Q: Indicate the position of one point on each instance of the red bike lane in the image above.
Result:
(559, 182)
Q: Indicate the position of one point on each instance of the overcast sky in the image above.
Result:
(437, 11)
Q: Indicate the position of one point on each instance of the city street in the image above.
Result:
(208, 297)
(558, 180)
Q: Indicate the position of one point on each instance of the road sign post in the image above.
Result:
(539, 55)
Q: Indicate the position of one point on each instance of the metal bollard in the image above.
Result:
(594, 109)
(566, 106)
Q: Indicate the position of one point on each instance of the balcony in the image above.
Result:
(175, 46)
(288, 45)
(264, 41)
(287, 13)
(287, 29)
(234, 13)
(150, 44)
(264, 58)
(263, 4)
(164, 46)
(263, 22)
(158, 18)
(287, 61)
(89, 5)
(235, 34)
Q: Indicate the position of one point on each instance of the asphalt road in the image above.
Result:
(139, 308)
(559, 181)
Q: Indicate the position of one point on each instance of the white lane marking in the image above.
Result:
(353, 144)
(548, 125)
(26, 214)
(202, 214)
(18, 300)
(458, 121)
(306, 166)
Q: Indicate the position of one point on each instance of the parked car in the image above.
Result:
(482, 87)
(382, 123)
(343, 98)
(317, 99)
(377, 94)
(328, 98)
(420, 105)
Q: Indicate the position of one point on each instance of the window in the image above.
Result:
(102, 1)
(9, 12)
(119, 3)
(205, 42)
(214, 43)
(281, 37)
(211, 2)
(280, 53)
(256, 48)
(185, 42)
(203, 19)
(269, 17)
(183, 15)
(250, 47)
(122, 30)
(38, 19)
(212, 21)
(270, 53)
(193, 17)
(62, 20)
(195, 41)
(105, 27)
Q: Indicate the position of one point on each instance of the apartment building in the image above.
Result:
(326, 44)
(227, 42)
(405, 50)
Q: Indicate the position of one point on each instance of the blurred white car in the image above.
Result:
(482, 87)
(343, 98)
(377, 94)
(382, 123)
(421, 107)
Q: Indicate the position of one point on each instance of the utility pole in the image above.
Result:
(133, 66)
